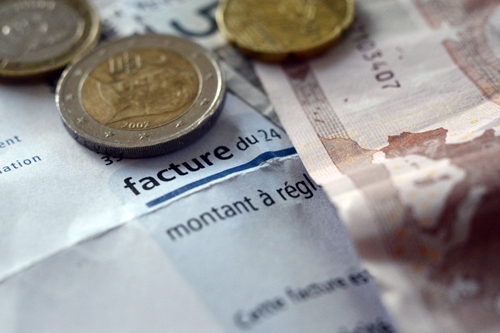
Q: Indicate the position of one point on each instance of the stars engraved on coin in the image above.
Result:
(69, 97)
(209, 76)
(141, 100)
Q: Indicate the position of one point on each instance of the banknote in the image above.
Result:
(400, 124)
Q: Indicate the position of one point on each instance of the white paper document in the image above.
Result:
(228, 234)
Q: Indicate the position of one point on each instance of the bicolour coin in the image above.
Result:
(141, 96)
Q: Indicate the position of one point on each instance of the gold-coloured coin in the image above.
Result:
(42, 36)
(141, 96)
(281, 29)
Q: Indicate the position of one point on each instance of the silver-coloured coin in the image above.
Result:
(141, 96)
(41, 36)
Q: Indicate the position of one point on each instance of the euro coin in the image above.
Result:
(42, 36)
(282, 29)
(141, 96)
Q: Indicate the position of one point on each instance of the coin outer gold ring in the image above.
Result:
(89, 39)
(148, 142)
(301, 52)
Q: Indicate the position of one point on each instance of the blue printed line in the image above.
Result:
(253, 163)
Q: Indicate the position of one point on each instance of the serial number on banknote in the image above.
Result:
(370, 53)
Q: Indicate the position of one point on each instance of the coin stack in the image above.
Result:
(135, 97)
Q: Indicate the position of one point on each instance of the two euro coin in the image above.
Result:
(42, 36)
(141, 96)
(283, 29)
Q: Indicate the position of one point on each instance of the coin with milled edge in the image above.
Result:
(281, 29)
(141, 96)
(42, 36)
